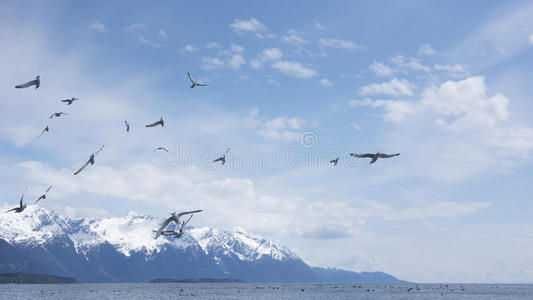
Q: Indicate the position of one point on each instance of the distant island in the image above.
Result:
(198, 280)
(26, 278)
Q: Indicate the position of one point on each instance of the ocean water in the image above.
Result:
(265, 291)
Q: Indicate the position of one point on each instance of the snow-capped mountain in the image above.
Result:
(123, 250)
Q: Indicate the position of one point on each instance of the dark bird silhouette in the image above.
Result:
(160, 148)
(43, 196)
(69, 101)
(334, 161)
(174, 218)
(44, 130)
(90, 161)
(58, 114)
(21, 207)
(160, 122)
(222, 158)
(374, 156)
(36, 82)
(127, 126)
(194, 83)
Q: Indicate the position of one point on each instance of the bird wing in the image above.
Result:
(66, 100)
(27, 84)
(382, 155)
(362, 155)
(85, 165)
(165, 224)
(201, 84)
(52, 115)
(188, 212)
(44, 130)
(40, 198)
(190, 78)
(48, 189)
(153, 124)
(101, 148)
(165, 149)
(11, 209)
(218, 159)
(21, 198)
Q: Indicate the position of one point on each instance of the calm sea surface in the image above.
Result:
(265, 291)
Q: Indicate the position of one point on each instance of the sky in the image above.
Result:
(291, 85)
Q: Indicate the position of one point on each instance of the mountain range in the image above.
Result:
(122, 249)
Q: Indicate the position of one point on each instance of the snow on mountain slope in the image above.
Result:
(244, 245)
(132, 233)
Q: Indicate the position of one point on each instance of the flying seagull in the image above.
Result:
(194, 83)
(374, 156)
(21, 207)
(69, 101)
(58, 114)
(36, 82)
(90, 161)
(127, 126)
(334, 161)
(160, 148)
(160, 122)
(43, 196)
(222, 158)
(175, 218)
(44, 130)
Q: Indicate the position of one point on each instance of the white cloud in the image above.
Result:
(135, 27)
(426, 49)
(457, 70)
(236, 61)
(250, 25)
(381, 69)
(293, 37)
(355, 126)
(531, 39)
(236, 48)
(465, 104)
(325, 82)
(318, 25)
(294, 69)
(394, 87)
(145, 41)
(212, 63)
(212, 45)
(278, 129)
(162, 34)
(395, 110)
(98, 27)
(269, 54)
(413, 64)
(338, 43)
(190, 48)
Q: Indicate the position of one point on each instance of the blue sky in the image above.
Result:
(291, 85)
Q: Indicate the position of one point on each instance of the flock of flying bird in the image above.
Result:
(174, 217)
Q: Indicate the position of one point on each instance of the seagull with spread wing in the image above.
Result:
(36, 82)
(90, 161)
(127, 126)
(44, 130)
(21, 207)
(334, 161)
(222, 158)
(175, 218)
(160, 148)
(69, 101)
(160, 122)
(58, 114)
(43, 196)
(374, 156)
(194, 83)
